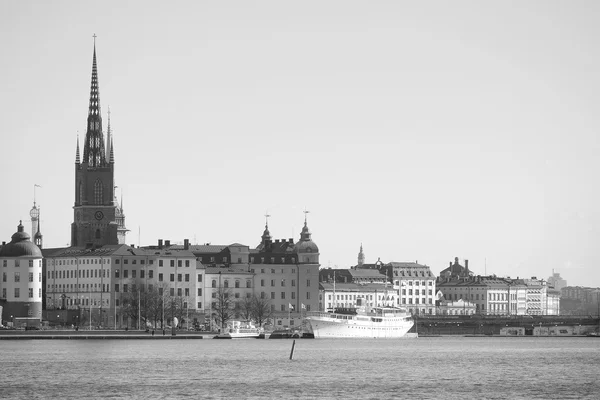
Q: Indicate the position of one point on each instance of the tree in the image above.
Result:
(261, 310)
(244, 308)
(223, 307)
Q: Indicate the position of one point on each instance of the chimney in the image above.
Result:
(167, 243)
(450, 263)
(132, 246)
(290, 240)
(467, 265)
(186, 244)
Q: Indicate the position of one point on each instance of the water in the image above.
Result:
(424, 368)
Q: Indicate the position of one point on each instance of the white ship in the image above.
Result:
(375, 322)
(239, 329)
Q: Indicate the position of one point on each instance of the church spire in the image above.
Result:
(77, 159)
(93, 151)
(108, 138)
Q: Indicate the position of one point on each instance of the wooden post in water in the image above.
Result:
(292, 352)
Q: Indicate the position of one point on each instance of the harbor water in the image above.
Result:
(423, 368)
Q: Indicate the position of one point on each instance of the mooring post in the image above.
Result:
(292, 352)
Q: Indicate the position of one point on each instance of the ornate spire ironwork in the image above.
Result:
(93, 151)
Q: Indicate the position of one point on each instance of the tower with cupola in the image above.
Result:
(95, 212)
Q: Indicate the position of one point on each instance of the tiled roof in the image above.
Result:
(355, 287)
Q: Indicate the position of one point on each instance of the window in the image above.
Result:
(262, 282)
(307, 295)
(283, 283)
(293, 295)
(179, 263)
(31, 277)
(17, 277)
(273, 295)
(308, 283)
(187, 277)
(30, 263)
(237, 295)
(172, 277)
(179, 277)
(199, 304)
(172, 291)
(262, 295)
(282, 295)
(214, 295)
(4, 263)
(282, 307)
(31, 293)
(200, 278)
(160, 291)
(272, 270)
(125, 273)
(125, 261)
(293, 282)
(172, 263)
(4, 277)
(248, 283)
(17, 292)
(187, 263)
(98, 192)
(214, 283)
(134, 273)
(160, 263)
(179, 292)
(272, 282)
(199, 291)
(226, 283)
(150, 274)
(134, 261)
(160, 277)
(237, 284)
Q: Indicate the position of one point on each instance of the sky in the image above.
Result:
(424, 131)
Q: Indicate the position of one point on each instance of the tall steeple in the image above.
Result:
(361, 257)
(95, 211)
(77, 157)
(108, 138)
(93, 151)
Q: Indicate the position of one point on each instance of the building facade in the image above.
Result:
(21, 284)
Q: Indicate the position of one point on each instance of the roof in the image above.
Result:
(115, 250)
(366, 273)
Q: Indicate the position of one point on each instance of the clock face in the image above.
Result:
(98, 215)
(34, 213)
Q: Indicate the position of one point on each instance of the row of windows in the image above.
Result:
(273, 260)
(263, 270)
(81, 261)
(18, 293)
(171, 263)
(172, 277)
(263, 295)
(226, 283)
(17, 277)
(226, 295)
(81, 273)
(422, 301)
(82, 287)
(18, 263)
(416, 292)
(292, 282)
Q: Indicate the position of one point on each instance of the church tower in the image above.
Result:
(361, 257)
(94, 210)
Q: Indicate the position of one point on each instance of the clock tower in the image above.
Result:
(94, 210)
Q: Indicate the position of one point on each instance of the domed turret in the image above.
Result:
(308, 251)
(20, 245)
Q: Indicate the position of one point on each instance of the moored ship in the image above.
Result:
(375, 322)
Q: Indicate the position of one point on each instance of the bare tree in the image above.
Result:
(261, 310)
(243, 308)
(223, 308)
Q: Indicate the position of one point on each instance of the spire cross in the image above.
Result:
(94, 36)
(305, 214)
(267, 215)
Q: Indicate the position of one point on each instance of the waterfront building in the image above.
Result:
(21, 284)
(580, 300)
(103, 284)
(353, 275)
(416, 286)
(287, 274)
(348, 295)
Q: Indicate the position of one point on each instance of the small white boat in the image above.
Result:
(240, 329)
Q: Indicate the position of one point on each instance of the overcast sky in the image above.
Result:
(423, 130)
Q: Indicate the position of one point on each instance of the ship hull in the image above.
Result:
(327, 327)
